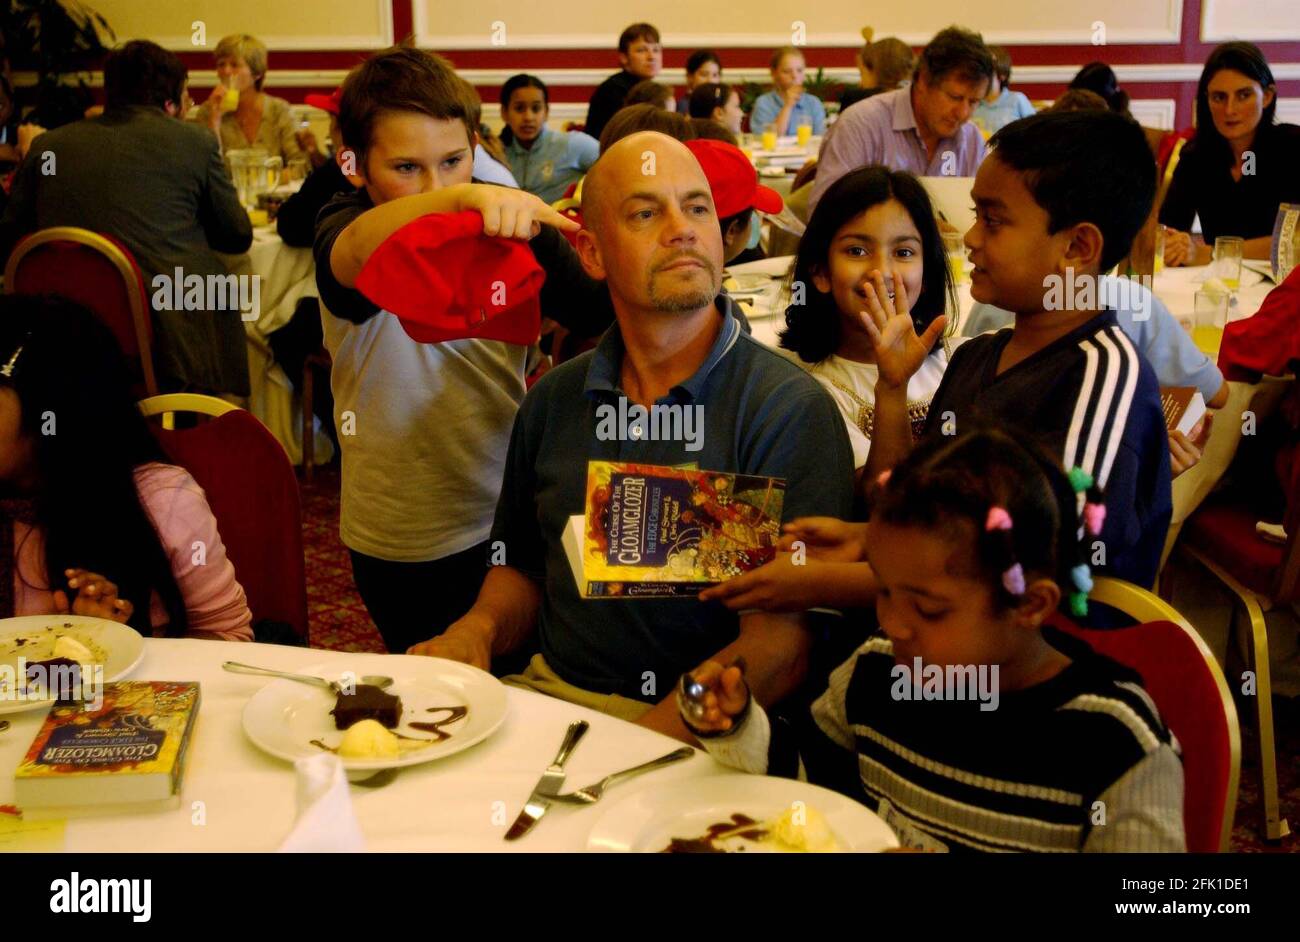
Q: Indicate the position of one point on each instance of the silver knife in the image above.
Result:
(548, 785)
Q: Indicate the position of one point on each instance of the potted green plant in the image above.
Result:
(55, 39)
(826, 89)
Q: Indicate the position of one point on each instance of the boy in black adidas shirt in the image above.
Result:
(966, 723)
(1059, 200)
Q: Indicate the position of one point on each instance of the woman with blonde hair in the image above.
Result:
(883, 65)
(239, 112)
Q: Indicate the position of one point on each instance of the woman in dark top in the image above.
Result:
(1240, 165)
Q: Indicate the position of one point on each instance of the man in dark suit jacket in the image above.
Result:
(158, 185)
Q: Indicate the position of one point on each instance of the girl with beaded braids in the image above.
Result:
(975, 541)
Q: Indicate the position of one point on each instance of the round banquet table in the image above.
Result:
(448, 804)
(287, 274)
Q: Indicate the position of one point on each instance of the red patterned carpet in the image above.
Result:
(338, 619)
(339, 622)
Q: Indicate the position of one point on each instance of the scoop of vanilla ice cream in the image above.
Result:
(368, 739)
(71, 648)
(803, 829)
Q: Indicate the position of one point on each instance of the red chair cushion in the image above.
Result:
(1226, 534)
(253, 493)
(1186, 693)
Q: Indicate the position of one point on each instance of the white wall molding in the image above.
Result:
(559, 78)
(1154, 112)
(1237, 20)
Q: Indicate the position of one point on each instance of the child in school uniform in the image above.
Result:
(1050, 748)
(1058, 204)
(543, 161)
(787, 106)
(1001, 105)
(423, 426)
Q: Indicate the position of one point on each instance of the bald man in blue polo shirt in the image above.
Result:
(653, 236)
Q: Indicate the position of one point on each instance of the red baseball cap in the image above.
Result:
(445, 280)
(328, 102)
(733, 179)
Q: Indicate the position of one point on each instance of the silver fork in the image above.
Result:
(592, 793)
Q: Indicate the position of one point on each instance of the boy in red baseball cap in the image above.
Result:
(736, 191)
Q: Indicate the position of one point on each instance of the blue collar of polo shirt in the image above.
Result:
(904, 116)
(604, 373)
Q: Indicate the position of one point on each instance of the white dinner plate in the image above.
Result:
(648, 820)
(285, 716)
(117, 647)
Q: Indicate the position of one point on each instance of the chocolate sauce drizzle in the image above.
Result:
(707, 844)
(454, 715)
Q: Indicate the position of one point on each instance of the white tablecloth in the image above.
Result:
(465, 802)
(287, 274)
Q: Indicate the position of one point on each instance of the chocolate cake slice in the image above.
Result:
(58, 676)
(366, 702)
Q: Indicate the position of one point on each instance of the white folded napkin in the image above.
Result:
(326, 822)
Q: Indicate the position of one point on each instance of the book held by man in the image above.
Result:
(126, 754)
(651, 531)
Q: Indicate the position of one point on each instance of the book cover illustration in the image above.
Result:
(141, 728)
(677, 529)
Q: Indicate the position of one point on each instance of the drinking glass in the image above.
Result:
(803, 134)
(769, 140)
(1227, 261)
(1211, 313)
(954, 244)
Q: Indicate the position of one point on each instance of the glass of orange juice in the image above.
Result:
(1227, 260)
(803, 134)
(1211, 313)
(769, 140)
(230, 100)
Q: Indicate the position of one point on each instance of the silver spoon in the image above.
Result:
(374, 680)
(591, 794)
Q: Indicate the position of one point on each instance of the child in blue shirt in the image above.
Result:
(1001, 106)
(787, 106)
(544, 162)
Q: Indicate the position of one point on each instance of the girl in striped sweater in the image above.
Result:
(966, 722)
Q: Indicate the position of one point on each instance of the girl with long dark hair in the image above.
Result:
(93, 519)
(873, 220)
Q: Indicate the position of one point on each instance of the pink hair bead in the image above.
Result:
(998, 519)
